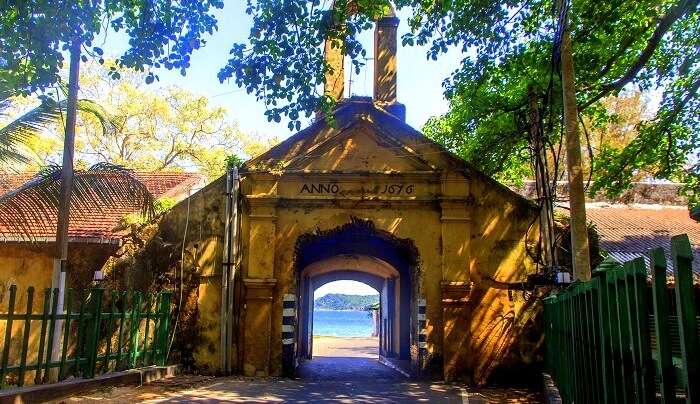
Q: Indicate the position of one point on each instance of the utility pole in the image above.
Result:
(544, 195)
(577, 200)
(61, 255)
(68, 151)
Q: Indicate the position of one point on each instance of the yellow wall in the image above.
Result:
(145, 265)
(24, 266)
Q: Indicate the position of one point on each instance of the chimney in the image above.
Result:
(385, 45)
(334, 80)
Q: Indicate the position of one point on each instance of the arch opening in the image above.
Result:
(359, 252)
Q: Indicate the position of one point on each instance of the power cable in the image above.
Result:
(182, 282)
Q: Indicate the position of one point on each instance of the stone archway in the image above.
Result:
(358, 251)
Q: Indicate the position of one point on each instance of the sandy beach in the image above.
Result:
(354, 347)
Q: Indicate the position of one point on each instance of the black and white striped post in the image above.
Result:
(288, 321)
(422, 334)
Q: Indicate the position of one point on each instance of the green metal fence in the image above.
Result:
(616, 339)
(94, 334)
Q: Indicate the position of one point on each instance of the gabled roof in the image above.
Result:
(349, 113)
(102, 223)
(393, 132)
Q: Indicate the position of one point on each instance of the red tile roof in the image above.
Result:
(628, 232)
(100, 226)
(11, 181)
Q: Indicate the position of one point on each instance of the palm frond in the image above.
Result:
(97, 111)
(18, 132)
(32, 210)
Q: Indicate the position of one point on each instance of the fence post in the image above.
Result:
(52, 335)
(163, 330)
(624, 308)
(606, 332)
(8, 334)
(25, 336)
(145, 333)
(93, 332)
(614, 320)
(593, 337)
(664, 362)
(66, 335)
(119, 365)
(42, 335)
(135, 324)
(110, 331)
(640, 310)
(79, 355)
(687, 322)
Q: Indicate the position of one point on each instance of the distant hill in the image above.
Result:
(337, 301)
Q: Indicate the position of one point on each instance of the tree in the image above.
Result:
(23, 140)
(33, 207)
(169, 128)
(34, 35)
(641, 44)
(618, 128)
(612, 127)
(297, 31)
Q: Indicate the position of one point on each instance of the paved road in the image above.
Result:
(328, 368)
(185, 389)
(325, 379)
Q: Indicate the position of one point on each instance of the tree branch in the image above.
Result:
(665, 23)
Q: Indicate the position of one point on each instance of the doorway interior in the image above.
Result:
(357, 252)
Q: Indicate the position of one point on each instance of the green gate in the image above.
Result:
(615, 339)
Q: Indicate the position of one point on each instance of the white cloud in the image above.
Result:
(344, 287)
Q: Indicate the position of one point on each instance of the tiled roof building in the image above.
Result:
(642, 218)
(630, 231)
(101, 225)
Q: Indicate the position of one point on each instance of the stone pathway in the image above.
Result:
(185, 389)
(327, 378)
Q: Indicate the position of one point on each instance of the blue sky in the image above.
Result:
(419, 80)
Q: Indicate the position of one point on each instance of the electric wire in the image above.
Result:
(182, 282)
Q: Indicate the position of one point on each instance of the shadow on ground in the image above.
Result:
(327, 368)
(185, 389)
(324, 379)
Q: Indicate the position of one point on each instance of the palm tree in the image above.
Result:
(15, 134)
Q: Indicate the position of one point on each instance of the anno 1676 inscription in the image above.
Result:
(338, 189)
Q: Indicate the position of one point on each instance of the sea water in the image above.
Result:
(345, 323)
